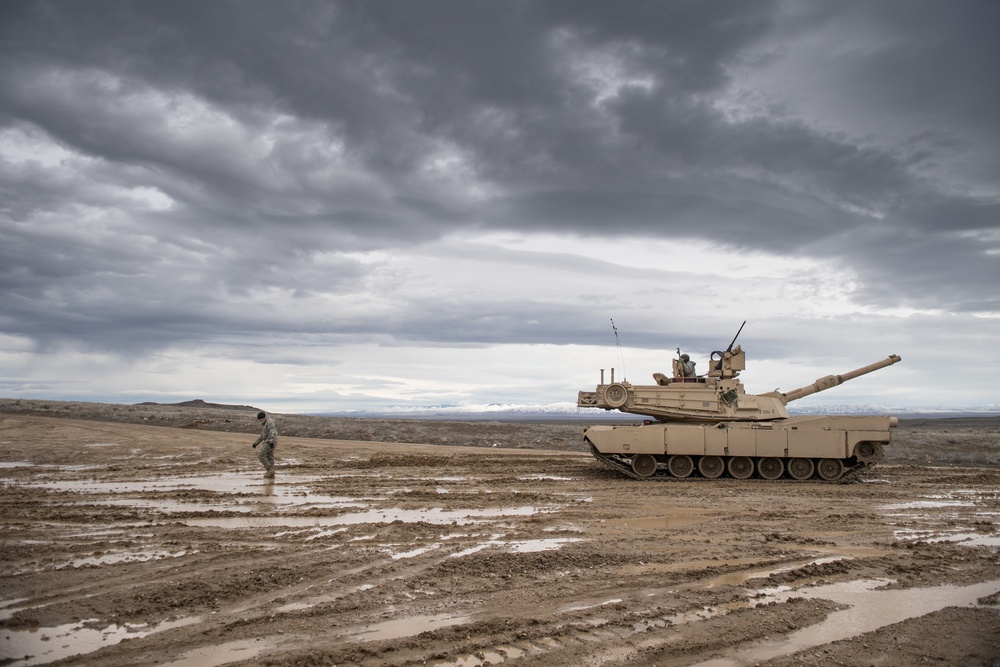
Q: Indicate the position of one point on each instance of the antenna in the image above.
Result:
(618, 344)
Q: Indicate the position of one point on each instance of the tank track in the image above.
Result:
(850, 475)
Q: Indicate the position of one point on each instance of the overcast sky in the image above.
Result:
(320, 206)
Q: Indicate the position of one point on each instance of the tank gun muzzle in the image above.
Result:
(831, 381)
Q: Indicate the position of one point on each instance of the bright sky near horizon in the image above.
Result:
(326, 206)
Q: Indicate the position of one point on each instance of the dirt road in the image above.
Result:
(126, 544)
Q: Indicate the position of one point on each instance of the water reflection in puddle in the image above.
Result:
(233, 483)
(925, 512)
(928, 504)
(519, 546)
(238, 493)
(963, 538)
(323, 598)
(405, 627)
(8, 607)
(554, 478)
(482, 658)
(125, 557)
(500, 655)
(581, 606)
(243, 494)
(869, 608)
(413, 553)
(434, 515)
(244, 649)
(41, 645)
(955, 498)
(676, 520)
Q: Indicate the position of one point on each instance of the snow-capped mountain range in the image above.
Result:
(569, 411)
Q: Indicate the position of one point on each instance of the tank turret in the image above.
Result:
(716, 396)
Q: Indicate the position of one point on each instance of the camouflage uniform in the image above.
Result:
(269, 438)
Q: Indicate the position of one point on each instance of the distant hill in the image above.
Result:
(198, 403)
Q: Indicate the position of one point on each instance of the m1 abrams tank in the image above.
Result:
(706, 425)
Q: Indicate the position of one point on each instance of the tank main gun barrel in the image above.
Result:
(831, 381)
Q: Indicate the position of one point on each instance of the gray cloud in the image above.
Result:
(172, 173)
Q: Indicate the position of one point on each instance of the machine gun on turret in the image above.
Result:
(729, 362)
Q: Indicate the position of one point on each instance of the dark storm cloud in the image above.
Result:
(325, 127)
(933, 61)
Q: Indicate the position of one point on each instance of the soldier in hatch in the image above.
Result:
(687, 366)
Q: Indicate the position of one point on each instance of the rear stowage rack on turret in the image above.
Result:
(706, 425)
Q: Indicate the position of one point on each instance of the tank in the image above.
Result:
(708, 426)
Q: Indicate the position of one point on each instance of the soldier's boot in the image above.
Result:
(269, 474)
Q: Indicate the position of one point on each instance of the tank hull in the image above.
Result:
(801, 448)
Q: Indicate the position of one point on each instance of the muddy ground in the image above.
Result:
(146, 535)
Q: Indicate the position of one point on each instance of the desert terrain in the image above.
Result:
(145, 534)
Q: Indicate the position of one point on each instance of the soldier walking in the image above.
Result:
(269, 438)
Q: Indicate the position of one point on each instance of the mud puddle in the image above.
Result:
(237, 494)
(434, 515)
(870, 607)
(126, 557)
(9, 607)
(224, 483)
(959, 537)
(405, 627)
(953, 500)
(679, 518)
(39, 646)
(520, 546)
(210, 656)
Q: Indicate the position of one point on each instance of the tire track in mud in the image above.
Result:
(595, 632)
(565, 629)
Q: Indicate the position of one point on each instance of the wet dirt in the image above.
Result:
(127, 543)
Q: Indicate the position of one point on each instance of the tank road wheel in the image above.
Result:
(711, 466)
(643, 465)
(616, 395)
(868, 452)
(680, 465)
(740, 467)
(830, 469)
(770, 467)
(801, 468)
